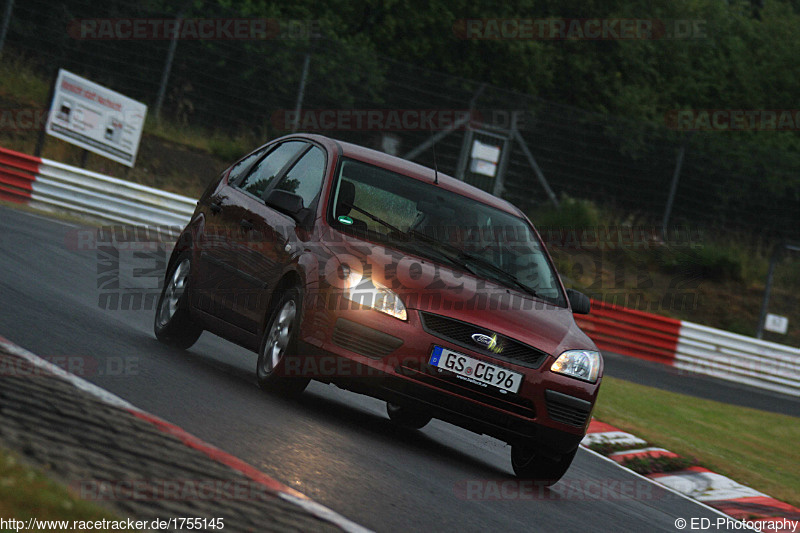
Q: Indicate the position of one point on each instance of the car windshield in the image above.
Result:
(443, 226)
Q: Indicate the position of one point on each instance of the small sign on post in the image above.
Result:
(776, 323)
(485, 158)
(96, 118)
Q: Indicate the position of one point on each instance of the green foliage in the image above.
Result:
(711, 262)
(571, 213)
(25, 492)
(756, 448)
(721, 259)
(228, 148)
(18, 81)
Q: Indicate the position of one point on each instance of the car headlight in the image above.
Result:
(369, 293)
(580, 364)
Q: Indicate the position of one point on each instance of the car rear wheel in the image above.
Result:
(279, 345)
(406, 416)
(172, 324)
(530, 463)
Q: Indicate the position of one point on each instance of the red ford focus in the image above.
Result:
(349, 266)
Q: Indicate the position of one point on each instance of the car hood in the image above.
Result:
(435, 287)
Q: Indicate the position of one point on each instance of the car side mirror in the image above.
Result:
(580, 302)
(288, 203)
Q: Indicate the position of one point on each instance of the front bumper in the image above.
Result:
(388, 359)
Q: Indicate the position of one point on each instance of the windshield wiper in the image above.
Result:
(496, 269)
(375, 218)
(463, 254)
(439, 252)
(449, 252)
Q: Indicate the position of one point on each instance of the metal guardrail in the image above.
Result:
(630, 332)
(108, 199)
(17, 174)
(694, 348)
(738, 358)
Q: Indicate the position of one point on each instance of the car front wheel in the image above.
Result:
(172, 324)
(529, 463)
(406, 416)
(279, 346)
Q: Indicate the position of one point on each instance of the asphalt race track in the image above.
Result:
(671, 379)
(337, 447)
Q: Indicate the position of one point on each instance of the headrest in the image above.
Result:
(347, 195)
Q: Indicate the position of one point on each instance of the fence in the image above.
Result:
(233, 86)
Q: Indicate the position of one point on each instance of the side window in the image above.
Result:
(305, 177)
(243, 165)
(265, 170)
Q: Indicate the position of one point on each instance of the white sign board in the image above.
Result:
(484, 158)
(96, 118)
(776, 323)
(484, 151)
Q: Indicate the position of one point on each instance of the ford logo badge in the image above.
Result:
(484, 340)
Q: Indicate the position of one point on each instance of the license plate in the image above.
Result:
(476, 371)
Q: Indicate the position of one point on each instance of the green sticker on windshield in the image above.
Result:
(345, 220)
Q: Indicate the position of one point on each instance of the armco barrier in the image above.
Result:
(53, 185)
(17, 174)
(738, 358)
(684, 345)
(693, 348)
(110, 199)
(630, 332)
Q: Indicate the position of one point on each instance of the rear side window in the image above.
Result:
(243, 165)
(264, 172)
(305, 177)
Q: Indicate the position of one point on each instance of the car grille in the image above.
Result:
(364, 340)
(563, 408)
(460, 333)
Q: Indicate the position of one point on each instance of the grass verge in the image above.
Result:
(755, 448)
(27, 493)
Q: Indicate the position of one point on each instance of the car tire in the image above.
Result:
(172, 323)
(406, 416)
(530, 464)
(279, 344)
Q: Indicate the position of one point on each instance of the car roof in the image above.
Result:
(411, 169)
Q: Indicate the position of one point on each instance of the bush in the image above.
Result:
(712, 261)
(571, 213)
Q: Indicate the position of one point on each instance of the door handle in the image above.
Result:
(216, 207)
(246, 224)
